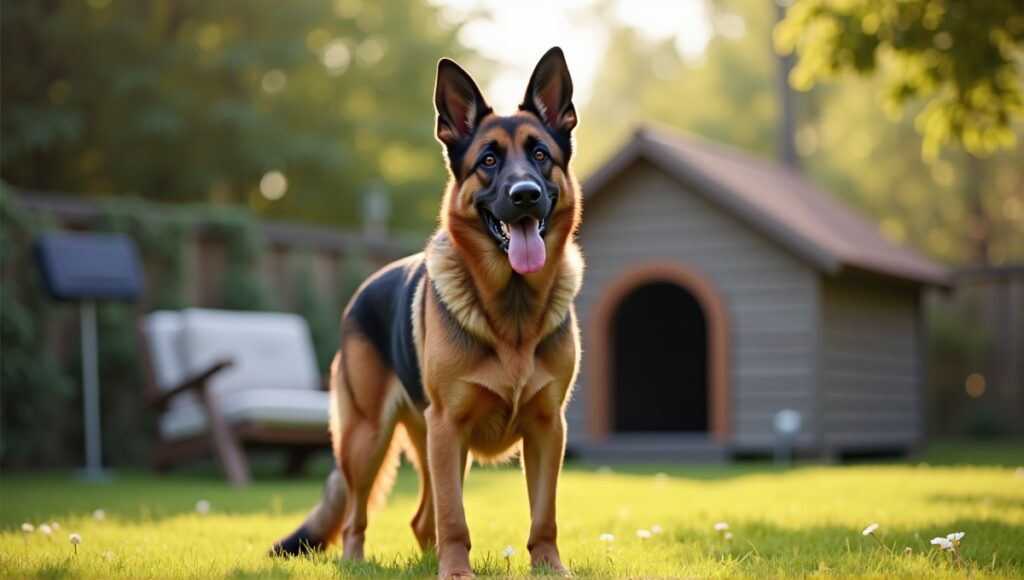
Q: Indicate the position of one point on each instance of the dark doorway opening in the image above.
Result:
(660, 361)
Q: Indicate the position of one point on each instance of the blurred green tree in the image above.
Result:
(292, 108)
(962, 56)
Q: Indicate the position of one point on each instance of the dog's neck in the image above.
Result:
(496, 305)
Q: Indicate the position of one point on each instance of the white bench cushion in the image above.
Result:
(275, 407)
(269, 349)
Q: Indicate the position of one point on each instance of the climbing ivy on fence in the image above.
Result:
(323, 322)
(236, 230)
(32, 385)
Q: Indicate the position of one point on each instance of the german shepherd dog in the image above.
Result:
(470, 347)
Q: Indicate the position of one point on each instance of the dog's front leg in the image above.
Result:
(543, 448)
(447, 452)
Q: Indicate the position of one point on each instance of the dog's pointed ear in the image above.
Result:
(549, 94)
(459, 103)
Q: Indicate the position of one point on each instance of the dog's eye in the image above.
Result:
(490, 160)
(540, 155)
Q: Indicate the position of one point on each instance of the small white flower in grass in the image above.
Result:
(950, 544)
(75, 539)
(954, 546)
(723, 530)
(55, 526)
(27, 528)
(607, 540)
(643, 534)
(203, 506)
(108, 555)
(656, 529)
(46, 530)
(1019, 473)
(99, 515)
(942, 543)
(507, 553)
(870, 531)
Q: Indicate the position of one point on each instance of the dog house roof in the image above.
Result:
(774, 200)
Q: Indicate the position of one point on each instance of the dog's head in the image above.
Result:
(512, 192)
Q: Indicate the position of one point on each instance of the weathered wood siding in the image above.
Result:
(771, 297)
(871, 366)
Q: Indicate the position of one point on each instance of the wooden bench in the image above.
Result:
(223, 380)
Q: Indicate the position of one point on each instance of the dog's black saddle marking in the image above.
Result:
(383, 312)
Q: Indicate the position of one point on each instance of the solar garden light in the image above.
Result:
(787, 424)
(84, 268)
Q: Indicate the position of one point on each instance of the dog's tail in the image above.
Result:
(321, 526)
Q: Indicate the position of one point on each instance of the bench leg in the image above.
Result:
(231, 458)
(225, 445)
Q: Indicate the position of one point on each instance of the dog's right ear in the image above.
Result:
(459, 103)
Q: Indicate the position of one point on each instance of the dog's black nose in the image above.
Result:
(525, 194)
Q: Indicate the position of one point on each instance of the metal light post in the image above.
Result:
(787, 424)
(87, 268)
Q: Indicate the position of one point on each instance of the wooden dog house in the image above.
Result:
(721, 289)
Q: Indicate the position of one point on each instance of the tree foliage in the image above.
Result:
(727, 94)
(962, 56)
(188, 100)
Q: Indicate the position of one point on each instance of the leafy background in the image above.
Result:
(168, 114)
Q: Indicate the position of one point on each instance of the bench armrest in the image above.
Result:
(196, 383)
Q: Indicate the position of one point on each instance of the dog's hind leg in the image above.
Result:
(366, 438)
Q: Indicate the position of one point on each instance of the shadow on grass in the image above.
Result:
(276, 571)
(63, 569)
(420, 565)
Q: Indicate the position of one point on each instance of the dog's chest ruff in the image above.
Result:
(510, 369)
(458, 294)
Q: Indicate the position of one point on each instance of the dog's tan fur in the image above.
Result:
(497, 379)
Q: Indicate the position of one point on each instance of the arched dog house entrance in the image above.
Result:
(659, 355)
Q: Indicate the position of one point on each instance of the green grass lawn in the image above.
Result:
(803, 521)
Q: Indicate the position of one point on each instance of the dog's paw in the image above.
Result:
(457, 575)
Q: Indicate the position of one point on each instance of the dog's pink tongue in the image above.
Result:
(526, 251)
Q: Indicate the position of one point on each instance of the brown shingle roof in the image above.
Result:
(775, 200)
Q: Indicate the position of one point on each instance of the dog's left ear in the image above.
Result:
(549, 94)
(460, 106)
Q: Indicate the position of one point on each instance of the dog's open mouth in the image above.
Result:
(522, 240)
